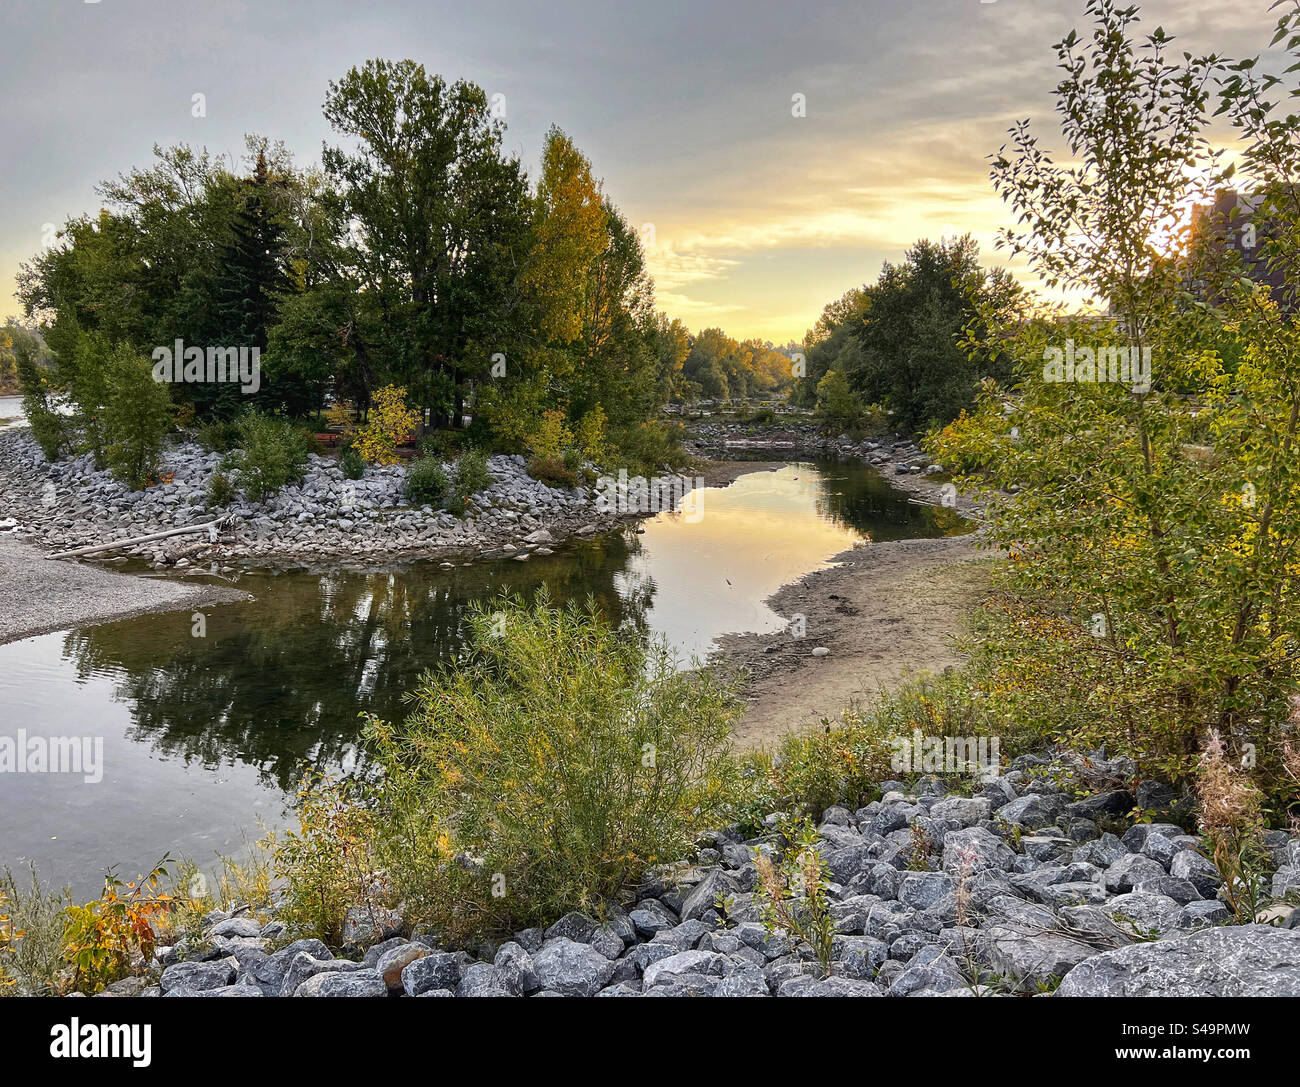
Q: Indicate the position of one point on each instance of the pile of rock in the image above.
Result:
(68, 504)
(1017, 888)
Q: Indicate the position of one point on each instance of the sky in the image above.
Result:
(754, 218)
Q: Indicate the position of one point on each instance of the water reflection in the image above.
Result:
(204, 736)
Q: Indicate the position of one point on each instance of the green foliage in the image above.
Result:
(221, 492)
(31, 937)
(137, 417)
(351, 462)
(792, 891)
(831, 344)
(104, 940)
(272, 453)
(470, 474)
(837, 405)
(326, 864)
(648, 449)
(1151, 592)
(34, 381)
(553, 471)
(218, 436)
(562, 756)
(426, 482)
(921, 333)
(443, 444)
(724, 369)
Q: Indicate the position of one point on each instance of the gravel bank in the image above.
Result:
(1023, 887)
(38, 596)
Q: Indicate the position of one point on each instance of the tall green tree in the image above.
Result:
(440, 218)
(912, 360)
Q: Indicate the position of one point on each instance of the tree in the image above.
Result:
(1152, 536)
(836, 402)
(909, 329)
(440, 217)
(137, 416)
(249, 280)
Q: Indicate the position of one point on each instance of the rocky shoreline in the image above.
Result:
(69, 504)
(1017, 888)
(64, 505)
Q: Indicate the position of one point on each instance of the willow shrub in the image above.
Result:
(1151, 585)
(546, 770)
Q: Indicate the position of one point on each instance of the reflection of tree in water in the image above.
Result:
(861, 499)
(283, 678)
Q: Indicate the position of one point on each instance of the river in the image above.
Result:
(204, 738)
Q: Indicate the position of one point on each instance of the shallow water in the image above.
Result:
(11, 412)
(203, 737)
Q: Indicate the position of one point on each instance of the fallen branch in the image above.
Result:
(211, 527)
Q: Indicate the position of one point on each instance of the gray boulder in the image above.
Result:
(705, 894)
(1130, 870)
(571, 968)
(708, 963)
(515, 970)
(975, 850)
(967, 810)
(1031, 811)
(197, 977)
(305, 966)
(1245, 960)
(355, 983)
(441, 970)
(921, 890)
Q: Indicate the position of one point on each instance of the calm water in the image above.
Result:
(11, 411)
(204, 737)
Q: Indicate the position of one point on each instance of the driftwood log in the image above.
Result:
(211, 527)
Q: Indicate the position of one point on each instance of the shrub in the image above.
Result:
(651, 448)
(342, 418)
(218, 436)
(443, 444)
(546, 770)
(351, 462)
(388, 425)
(325, 864)
(221, 492)
(240, 882)
(47, 425)
(553, 471)
(470, 475)
(31, 936)
(843, 763)
(589, 436)
(837, 404)
(272, 454)
(137, 416)
(106, 939)
(792, 893)
(552, 436)
(426, 482)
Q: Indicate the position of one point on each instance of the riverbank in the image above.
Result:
(1032, 881)
(880, 614)
(884, 612)
(38, 596)
(68, 504)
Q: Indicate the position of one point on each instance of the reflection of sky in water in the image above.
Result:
(204, 736)
(750, 538)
